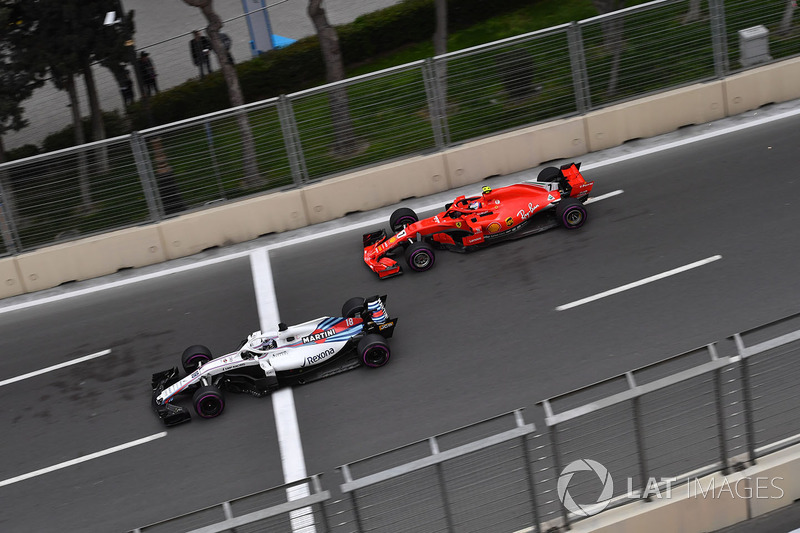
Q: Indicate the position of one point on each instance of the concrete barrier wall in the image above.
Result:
(10, 282)
(515, 151)
(391, 183)
(375, 187)
(775, 83)
(90, 258)
(710, 503)
(654, 115)
(232, 223)
(685, 511)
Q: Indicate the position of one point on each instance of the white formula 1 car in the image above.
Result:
(265, 361)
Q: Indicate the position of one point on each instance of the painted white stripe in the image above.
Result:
(54, 367)
(639, 283)
(289, 442)
(83, 459)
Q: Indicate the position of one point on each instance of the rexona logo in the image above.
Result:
(319, 336)
(585, 465)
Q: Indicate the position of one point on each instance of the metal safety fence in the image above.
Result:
(718, 408)
(420, 107)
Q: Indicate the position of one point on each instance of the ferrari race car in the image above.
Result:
(555, 198)
(265, 361)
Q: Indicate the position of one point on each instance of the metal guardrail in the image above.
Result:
(411, 109)
(713, 409)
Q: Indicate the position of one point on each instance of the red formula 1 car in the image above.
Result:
(555, 198)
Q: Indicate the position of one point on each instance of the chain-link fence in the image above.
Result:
(713, 409)
(415, 108)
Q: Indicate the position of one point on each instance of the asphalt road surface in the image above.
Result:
(478, 335)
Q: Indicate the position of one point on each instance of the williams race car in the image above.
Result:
(265, 361)
(555, 198)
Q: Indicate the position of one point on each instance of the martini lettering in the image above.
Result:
(319, 336)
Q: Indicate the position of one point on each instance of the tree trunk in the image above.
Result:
(252, 177)
(80, 138)
(98, 126)
(440, 44)
(788, 13)
(334, 71)
(694, 11)
(613, 39)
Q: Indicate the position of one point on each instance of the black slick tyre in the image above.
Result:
(420, 256)
(194, 356)
(208, 401)
(402, 217)
(571, 213)
(373, 350)
(353, 307)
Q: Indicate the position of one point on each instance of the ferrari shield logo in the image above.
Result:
(509, 221)
(458, 224)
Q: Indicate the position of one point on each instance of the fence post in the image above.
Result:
(577, 60)
(437, 101)
(448, 515)
(526, 456)
(723, 437)
(719, 39)
(548, 413)
(7, 228)
(747, 399)
(291, 140)
(146, 177)
(644, 472)
(353, 503)
(213, 154)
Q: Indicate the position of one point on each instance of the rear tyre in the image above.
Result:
(194, 356)
(353, 307)
(420, 256)
(208, 401)
(549, 174)
(374, 350)
(402, 217)
(571, 213)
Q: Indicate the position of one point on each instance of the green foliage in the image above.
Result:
(65, 138)
(26, 150)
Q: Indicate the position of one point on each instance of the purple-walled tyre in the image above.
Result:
(208, 401)
(571, 213)
(374, 350)
(194, 356)
(401, 218)
(420, 256)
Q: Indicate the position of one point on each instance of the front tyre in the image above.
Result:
(420, 256)
(571, 213)
(401, 218)
(208, 401)
(353, 307)
(194, 356)
(373, 350)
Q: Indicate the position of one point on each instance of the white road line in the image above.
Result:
(289, 442)
(54, 367)
(639, 283)
(83, 459)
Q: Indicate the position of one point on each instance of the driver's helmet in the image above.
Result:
(486, 189)
(475, 205)
(260, 343)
